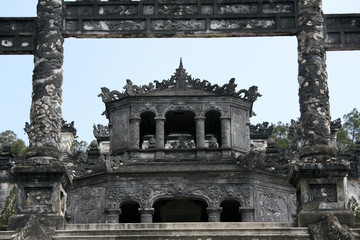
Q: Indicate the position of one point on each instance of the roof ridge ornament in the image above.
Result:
(181, 80)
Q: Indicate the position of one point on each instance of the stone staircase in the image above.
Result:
(182, 231)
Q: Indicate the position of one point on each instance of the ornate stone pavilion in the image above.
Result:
(175, 149)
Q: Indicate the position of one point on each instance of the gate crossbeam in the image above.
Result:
(146, 19)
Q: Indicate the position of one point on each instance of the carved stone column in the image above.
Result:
(160, 132)
(42, 179)
(135, 132)
(146, 215)
(46, 115)
(200, 132)
(313, 88)
(214, 214)
(319, 178)
(247, 214)
(225, 132)
(112, 215)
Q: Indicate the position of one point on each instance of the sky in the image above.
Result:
(89, 64)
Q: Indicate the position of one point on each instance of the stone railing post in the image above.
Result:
(247, 214)
(214, 214)
(200, 132)
(135, 132)
(112, 215)
(146, 215)
(160, 132)
(225, 132)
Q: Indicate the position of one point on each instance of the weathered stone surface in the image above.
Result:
(329, 228)
(244, 24)
(33, 230)
(313, 92)
(46, 115)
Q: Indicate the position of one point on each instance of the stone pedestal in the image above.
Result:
(41, 191)
(146, 215)
(112, 215)
(214, 214)
(321, 190)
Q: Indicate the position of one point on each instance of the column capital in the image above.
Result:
(146, 210)
(160, 118)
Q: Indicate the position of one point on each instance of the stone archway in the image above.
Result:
(180, 210)
(230, 211)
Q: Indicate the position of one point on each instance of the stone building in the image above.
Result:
(176, 154)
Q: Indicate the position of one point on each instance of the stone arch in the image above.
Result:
(213, 128)
(180, 209)
(180, 129)
(230, 210)
(147, 129)
(129, 212)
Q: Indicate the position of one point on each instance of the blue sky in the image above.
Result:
(89, 64)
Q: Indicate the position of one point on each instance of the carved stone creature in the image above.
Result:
(329, 228)
(33, 230)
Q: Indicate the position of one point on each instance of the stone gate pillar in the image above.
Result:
(319, 178)
(45, 115)
(42, 179)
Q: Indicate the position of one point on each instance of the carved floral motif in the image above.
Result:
(147, 194)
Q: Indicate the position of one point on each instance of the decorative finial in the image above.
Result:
(181, 63)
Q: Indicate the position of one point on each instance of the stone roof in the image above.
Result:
(180, 83)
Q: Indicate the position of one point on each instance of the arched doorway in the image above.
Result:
(180, 130)
(230, 211)
(147, 130)
(180, 210)
(213, 129)
(130, 213)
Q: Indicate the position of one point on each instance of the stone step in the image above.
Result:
(184, 231)
(188, 225)
(202, 237)
(6, 235)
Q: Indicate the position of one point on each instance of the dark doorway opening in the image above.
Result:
(180, 210)
(230, 211)
(130, 213)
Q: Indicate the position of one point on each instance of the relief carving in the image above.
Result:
(323, 193)
(38, 196)
(178, 10)
(147, 194)
(272, 207)
(171, 25)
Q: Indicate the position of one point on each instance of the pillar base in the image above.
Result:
(47, 220)
(305, 218)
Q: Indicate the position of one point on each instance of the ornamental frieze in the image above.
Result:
(213, 194)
